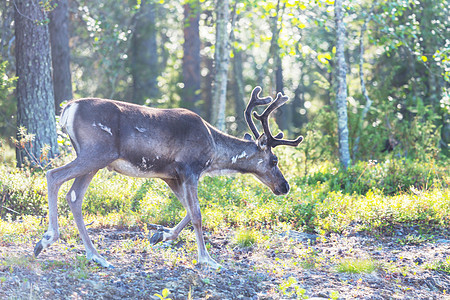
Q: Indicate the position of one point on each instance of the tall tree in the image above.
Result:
(341, 93)
(363, 84)
(59, 41)
(6, 32)
(144, 54)
(222, 61)
(238, 88)
(284, 114)
(191, 58)
(35, 100)
(238, 75)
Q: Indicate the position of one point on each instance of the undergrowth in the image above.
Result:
(370, 196)
(441, 266)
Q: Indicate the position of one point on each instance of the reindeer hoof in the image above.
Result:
(38, 248)
(102, 262)
(211, 263)
(156, 238)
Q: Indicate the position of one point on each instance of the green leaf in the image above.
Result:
(324, 58)
(165, 293)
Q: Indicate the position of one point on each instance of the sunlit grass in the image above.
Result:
(246, 237)
(313, 203)
(441, 266)
(356, 266)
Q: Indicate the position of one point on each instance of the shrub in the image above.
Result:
(246, 237)
(356, 266)
(390, 177)
(22, 194)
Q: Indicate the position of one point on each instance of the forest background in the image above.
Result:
(368, 83)
(395, 60)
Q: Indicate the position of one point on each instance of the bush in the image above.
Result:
(389, 178)
(369, 195)
(22, 194)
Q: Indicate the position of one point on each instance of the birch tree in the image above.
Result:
(341, 93)
(222, 61)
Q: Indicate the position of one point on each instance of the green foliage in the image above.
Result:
(25, 142)
(81, 268)
(371, 196)
(320, 142)
(164, 295)
(413, 239)
(22, 192)
(290, 287)
(246, 238)
(440, 266)
(7, 105)
(389, 177)
(310, 259)
(356, 266)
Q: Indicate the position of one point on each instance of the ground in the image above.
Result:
(280, 265)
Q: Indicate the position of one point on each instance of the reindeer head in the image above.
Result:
(266, 168)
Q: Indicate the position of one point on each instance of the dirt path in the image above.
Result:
(279, 267)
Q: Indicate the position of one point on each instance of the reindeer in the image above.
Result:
(175, 145)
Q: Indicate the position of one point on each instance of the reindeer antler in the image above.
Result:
(264, 118)
(255, 101)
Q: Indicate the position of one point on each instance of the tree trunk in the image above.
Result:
(222, 61)
(6, 33)
(283, 113)
(208, 82)
(238, 81)
(238, 88)
(36, 105)
(298, 105)
(191, 57)
(341, 93)
(144, 55)
(59, 41)
(363, 84)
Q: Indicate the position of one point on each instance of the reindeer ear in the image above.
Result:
(247, 137)
(262, 142)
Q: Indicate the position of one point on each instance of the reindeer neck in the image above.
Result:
(231, 153)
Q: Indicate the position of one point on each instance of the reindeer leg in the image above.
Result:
(186, 191)
(166, 234)
(193, 208)
(82, 165)
(52, 234)
(75, 200)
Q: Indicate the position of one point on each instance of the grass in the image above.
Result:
(414, 239)
(310, 259)
(246, 238)
(290, 287)
(441, 266)
(356, 266)
(315, 203)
